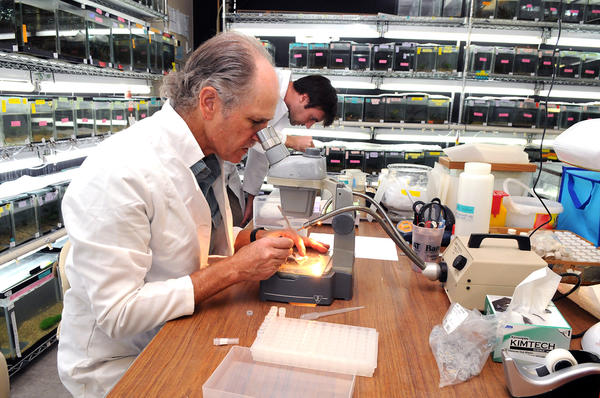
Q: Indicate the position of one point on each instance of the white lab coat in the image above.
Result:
(139, 225)
(257, 164)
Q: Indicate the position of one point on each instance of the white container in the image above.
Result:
(474, 199)
(527, 211)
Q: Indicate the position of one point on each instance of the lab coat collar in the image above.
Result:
(283, 77)
(180, 136)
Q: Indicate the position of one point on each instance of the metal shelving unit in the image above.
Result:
(126, 8)
(30, 63)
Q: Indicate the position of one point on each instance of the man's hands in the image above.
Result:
(301, 242)
(261, 259)
(299, 142)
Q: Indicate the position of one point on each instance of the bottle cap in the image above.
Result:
(478, 168)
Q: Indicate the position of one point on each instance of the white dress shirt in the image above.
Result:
(139, 226)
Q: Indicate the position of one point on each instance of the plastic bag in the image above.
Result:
(462, 343)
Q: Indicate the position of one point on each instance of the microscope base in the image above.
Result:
(292, 288)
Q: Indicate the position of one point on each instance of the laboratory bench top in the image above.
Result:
(401, 305)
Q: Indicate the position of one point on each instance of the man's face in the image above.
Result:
(234, 131)
(301, 116)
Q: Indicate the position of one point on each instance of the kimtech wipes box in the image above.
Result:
(532, 336)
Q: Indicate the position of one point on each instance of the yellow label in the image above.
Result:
(412, 156)
(149, 38)
(24, 27)
(439, 101)
(39, 102)
(33, 108)
(416, 99)
(8, 207)
(173, 65)
(412, 193)
(13, 101)
(142, 102)
(3, 106)
(440, 51)
(133, 43)
(418, 50)
(137, 106)
(435, 153)
(137, 25)
(154, 30)
(24, 100)
(1, 210)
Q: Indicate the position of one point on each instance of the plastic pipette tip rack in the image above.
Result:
(315, 345)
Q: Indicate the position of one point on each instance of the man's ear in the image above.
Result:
(209, 102)
(304, 99)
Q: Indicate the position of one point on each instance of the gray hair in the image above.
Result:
(226, 62)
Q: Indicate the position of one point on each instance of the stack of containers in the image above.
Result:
(481, 60)
(99, 38)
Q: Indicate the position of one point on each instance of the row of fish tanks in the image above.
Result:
(436, 109)
(429, 58)
(30, 291)
(24, 121)
(55, 29)
(573, 11)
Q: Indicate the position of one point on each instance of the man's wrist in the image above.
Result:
(253, 236)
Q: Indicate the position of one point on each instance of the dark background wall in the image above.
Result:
(205, 11)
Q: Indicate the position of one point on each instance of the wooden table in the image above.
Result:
(402, 305)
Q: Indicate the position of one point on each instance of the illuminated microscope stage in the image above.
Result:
(309, 279)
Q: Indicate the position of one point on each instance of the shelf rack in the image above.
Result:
(30, 63)
(127, 9)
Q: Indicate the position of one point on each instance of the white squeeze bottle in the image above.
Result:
(474, 199)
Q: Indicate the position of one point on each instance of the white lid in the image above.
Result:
(478, 168)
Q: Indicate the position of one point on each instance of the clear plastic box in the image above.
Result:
(8, 36)
(569, 64)
(118, 116)
(155, 51)
(415, 108)
(36, 23)
(71, 32)
(484, 8)
(340, 55)
(64, 117)
(353, 108)
(573, 10)
(438, 108)
(318, 55)
(569, 115)
(98, 33)
(425, 59)
(361, 56)
(476, 111)
(42, 120)
(383, 56)
(48, 209)
(121, 44)
(84, 110)
(526, 60)
(139, 46)
(481, 59)
(102, 114)
(168, 50)
(592, 12)
(298, 53)
(504, 60)
(506, 9)
(551, 10)
(374, 109)
(15, 126)
(24, 219)
(447, 59)
(7, 235)
(394, 109)
(590, 65)
(239, 376)
(404, 60)
(530, 10)
(545, 62)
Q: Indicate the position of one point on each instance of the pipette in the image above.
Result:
(316, 315)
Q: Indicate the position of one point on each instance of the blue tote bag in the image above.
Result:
(580, 197)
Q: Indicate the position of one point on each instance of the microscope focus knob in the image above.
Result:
(459, 262)
(312, 152)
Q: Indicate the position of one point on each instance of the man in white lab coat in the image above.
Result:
(306, 101)
(149, 206)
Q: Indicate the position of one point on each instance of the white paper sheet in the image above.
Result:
(366, 246)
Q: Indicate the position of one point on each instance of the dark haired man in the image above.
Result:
(306, 101)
